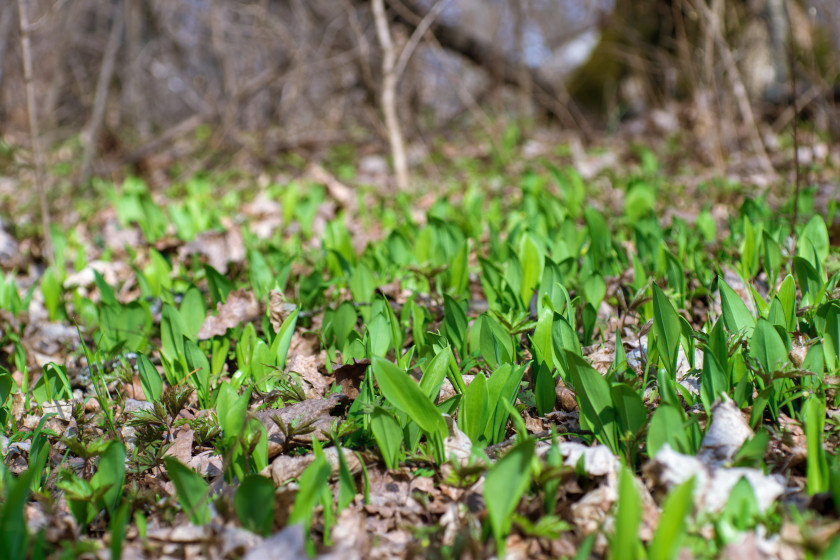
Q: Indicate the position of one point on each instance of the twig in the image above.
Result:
(389, 94)
(40, 187)
(419, 31)
(101, 98)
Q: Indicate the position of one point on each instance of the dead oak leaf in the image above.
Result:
(240, 307)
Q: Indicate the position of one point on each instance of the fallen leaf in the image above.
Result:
(240, 307)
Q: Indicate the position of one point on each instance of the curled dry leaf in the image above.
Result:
(240, 307)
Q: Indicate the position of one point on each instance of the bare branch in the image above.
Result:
(389, 94)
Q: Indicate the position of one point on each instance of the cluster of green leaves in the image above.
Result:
(505, 295)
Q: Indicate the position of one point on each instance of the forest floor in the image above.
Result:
(544, 350)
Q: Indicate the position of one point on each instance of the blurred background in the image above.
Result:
(143, 84)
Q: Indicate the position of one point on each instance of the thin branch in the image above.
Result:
(26, 54)
(389, 94)
(415, 38)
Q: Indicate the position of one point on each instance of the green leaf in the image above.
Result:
(626, 542)
(474, 412)
(814, 242)
(813, 417)
(666, 426)
(150, 379)
(713, 380)
(193, 311)
(280, 346)
(13, 532)
(192, 491)
(736, 316)
(435, 373)
(631, 413)
(110, 475)
(344, 321)
(767, 346)
(545, 393)
(666, 327)
(310, 484)
(672, 523)
(504, 485)
(455, 326)
(502, 388)
(787, 295)
(831, 338)
(531, 260)
(810, 282)
(254, 504)
(387, 433)
(594, 289)
(402, 391)
(592, 393)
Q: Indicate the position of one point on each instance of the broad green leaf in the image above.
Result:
(362, 284)
(542, 338)
(630, 410)
(666, 426)
(813, 418)
(504, 485)
(435, 373)
(474, 412)
(814, 242)
(150, 379)
(310, 484)
(787, 295)
(388, 435)
(772, 258)
(344, 321)
(736, 316)
(666, 327)
(831, 338)
(193, 311)
(254, 504)
(379, 333)
(281, 343)
(626, 542)
(713, 380)
(767, 346)
(594, 289)
(110, 475)
(592, 393)
(13, 531)
(810, 282)
(672, 523)
(402, 391)
(545, 393)
(502, 388)
(455, 326)
(192, 491)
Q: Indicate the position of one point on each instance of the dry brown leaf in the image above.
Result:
(240, 307)
(318, 384)
(220, 248)
(350, 377)
(285, 468)
(278, 309)
(316, 412)
(181, 448)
